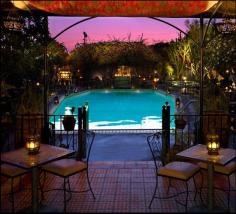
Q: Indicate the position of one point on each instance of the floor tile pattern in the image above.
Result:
(119, 187)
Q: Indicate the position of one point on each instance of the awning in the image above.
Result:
(128, 8)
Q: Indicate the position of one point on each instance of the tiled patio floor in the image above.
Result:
(119, 186)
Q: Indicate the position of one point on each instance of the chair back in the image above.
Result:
(154, 143)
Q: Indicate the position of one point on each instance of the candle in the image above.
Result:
(31, 145)
(213, 145)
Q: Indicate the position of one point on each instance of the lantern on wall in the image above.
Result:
(213, 144)
(32, 144)
(13, 23)
(13, 20)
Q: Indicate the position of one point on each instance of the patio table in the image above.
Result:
(22, 159)
(199, 153)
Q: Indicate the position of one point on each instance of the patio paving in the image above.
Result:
(119, 187)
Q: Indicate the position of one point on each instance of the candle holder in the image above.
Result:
(213, 144)
(32, 144)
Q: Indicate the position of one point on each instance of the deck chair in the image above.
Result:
(12, 172)
(175, 170)
(65, 168)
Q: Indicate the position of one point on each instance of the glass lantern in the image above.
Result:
(32, 144)
(213, 144)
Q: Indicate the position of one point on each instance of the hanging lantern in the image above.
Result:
(226, 26)
(13, 21)
(213, 144)
(32, 144)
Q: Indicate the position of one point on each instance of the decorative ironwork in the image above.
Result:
(226, 26)
(13, 22)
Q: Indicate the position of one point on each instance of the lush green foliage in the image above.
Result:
(110, 55)
(218, 56)
(22, 59)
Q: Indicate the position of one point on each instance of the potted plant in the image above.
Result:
(69, 120)
(179, 121)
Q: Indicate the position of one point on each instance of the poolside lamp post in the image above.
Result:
(213, 144)
(155, 81)
(184, 89)
(32, 144)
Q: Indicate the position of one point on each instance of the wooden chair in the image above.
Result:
(175, 170)
(65, 168)
(12, 172)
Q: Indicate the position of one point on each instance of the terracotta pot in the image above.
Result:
(180, 123)
(69, 122)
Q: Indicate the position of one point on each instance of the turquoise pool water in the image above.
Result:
(119, 109)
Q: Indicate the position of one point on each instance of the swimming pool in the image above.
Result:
(119, 109)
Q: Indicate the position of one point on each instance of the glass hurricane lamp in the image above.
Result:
(32, 144)
(213, 144)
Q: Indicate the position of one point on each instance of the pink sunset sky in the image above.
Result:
(109, 28)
